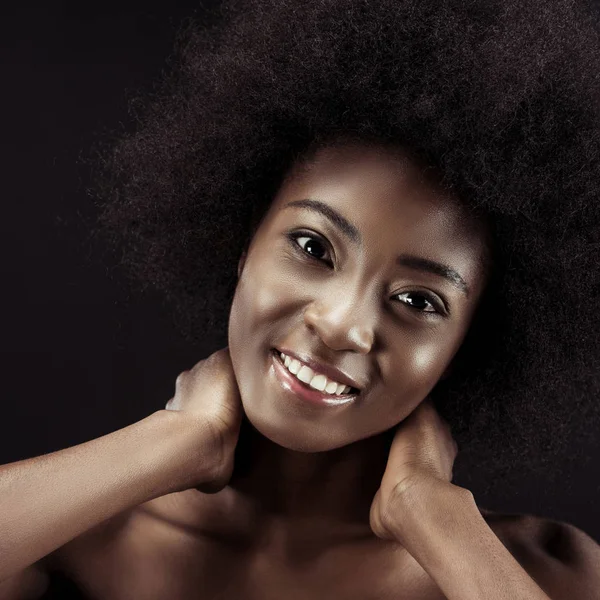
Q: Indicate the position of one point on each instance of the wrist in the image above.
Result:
(425, 502)
(186, 456)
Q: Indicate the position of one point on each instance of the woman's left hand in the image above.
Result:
(422, 454)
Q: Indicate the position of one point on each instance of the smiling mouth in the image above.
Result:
(349, 393)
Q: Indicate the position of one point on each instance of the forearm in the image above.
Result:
(446, 534)
(49, 500)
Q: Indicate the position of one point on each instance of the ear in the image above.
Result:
(241, 263)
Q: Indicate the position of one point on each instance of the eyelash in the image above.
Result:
(293, 238)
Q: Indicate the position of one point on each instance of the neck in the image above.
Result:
(330, 490)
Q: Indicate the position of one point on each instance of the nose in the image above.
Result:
(343, 322)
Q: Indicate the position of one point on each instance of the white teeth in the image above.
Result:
(342, 389)
(305, 374)
(331, 387)
(317, 381)
(294, 366)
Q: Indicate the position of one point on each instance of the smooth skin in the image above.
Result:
(240, 490)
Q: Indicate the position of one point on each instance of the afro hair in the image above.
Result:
(500, 97)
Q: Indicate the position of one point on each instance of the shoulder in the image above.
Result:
(31, 582)
(560, 557)
(159, 520)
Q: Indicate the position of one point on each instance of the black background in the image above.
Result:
(82, 355)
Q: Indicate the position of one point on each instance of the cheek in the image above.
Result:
(239, 321)
(266, 292)
(409, 373)
(259, 298)
(426, 360)
(416, 365)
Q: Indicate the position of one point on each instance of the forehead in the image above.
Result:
(396, 204)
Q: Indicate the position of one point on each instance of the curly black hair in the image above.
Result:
(500, 97)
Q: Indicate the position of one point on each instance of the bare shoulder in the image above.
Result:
(563, 559)
(139, 530)
(35, 580)
(28, 584)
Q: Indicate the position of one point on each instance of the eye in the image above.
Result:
(310, 245)
(434, 303)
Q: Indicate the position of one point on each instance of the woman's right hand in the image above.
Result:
(51, 499)
(208, 395)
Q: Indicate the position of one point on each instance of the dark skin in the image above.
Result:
(297, 511)
(367, 315)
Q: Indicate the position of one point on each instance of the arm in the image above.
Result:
(444, 531)
(49, 500)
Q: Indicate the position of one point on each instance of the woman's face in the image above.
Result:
(328, 276)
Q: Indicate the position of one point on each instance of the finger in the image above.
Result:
(173, 404)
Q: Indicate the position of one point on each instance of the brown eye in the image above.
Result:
(310, 245)
(423, 300)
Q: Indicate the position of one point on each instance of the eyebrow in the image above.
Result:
(417, 263)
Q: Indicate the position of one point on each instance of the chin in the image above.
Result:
(290, 436)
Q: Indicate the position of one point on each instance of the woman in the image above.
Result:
(396, 199)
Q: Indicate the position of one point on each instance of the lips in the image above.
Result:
(300, 391)
(329, 371)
